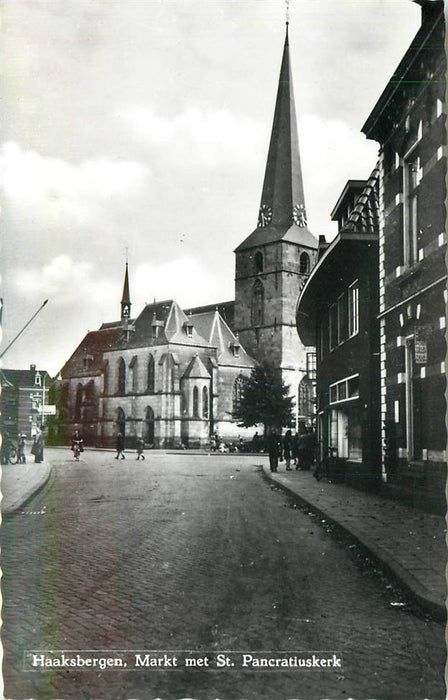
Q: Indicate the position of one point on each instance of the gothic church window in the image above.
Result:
(258, 261)
(195, 402)
(150, 381)
(304, 264)
(205, 402)
(121, 376)
(257, 307)
(78, 402)
(237, 392)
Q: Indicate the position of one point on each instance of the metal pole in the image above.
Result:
(24, 327)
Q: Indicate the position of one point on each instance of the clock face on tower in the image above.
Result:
(299, 215)
(264, 216)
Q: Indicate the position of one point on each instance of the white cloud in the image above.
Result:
(212, 136)
(66, 282)
(60, 193)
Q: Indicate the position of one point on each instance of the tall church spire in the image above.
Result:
(282, 214)
(126, 299)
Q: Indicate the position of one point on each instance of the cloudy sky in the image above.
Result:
(145, 124)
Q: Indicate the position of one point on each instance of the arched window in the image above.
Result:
(257, 306)
(258, 261)
(304, 263)
(195, 402)
(121, 376)
(205, 402)
(150, 382)
(78, 402)
(237, 392)
(134, 367)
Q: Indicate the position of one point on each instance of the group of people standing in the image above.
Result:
(300, 449)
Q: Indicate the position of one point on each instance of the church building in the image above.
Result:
(175, 376)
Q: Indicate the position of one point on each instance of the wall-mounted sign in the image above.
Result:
(420, 351)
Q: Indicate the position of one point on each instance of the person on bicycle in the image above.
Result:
(77, 445)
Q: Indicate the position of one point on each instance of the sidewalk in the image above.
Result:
(409, 543)
(21, 481)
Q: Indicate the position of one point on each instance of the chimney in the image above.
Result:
(32, 368)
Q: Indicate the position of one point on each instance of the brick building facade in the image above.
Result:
(409, 123)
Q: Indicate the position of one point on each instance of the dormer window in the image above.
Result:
(156, 326)
(235, 347)
(188, 328)
(87, 361)
(38, 379)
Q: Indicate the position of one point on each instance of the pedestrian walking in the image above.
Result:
(256, 442)
(21, 448)
(120, 446)
(287, 447)
(37, 448)
(295, 450)
(274, 447)
(140, 448)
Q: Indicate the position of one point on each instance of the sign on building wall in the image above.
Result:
(420, 351)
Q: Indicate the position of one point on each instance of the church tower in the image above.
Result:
(274, 261)
(126, 299)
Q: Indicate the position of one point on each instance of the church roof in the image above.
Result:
(215, 330)
(282, 207)
(196, 369)
(226, 309)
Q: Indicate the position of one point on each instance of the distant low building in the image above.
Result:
(24, 393)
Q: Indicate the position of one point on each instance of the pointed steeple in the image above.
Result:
(282, 214)
(126, 299)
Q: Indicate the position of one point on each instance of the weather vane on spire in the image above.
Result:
(127, 254)
(287, 11)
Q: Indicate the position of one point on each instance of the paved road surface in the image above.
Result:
(197, 552)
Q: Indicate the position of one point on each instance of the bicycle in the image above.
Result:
(330, 466)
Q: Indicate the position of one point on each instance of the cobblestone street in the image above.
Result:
(196, 552)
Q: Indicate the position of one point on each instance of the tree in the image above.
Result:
(264, 400)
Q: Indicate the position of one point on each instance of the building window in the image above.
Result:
(311, 365)
(353, 309)
(237, 393)
(410, 209)
(258, 262)
(121, 376)
(342, 318)
(133, 365)
(151, 373)
(257, 307)
(205, 402)
(345, 390)
(409, 390)
(304, 264)
(195, 402)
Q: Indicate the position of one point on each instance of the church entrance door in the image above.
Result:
(149, 426)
